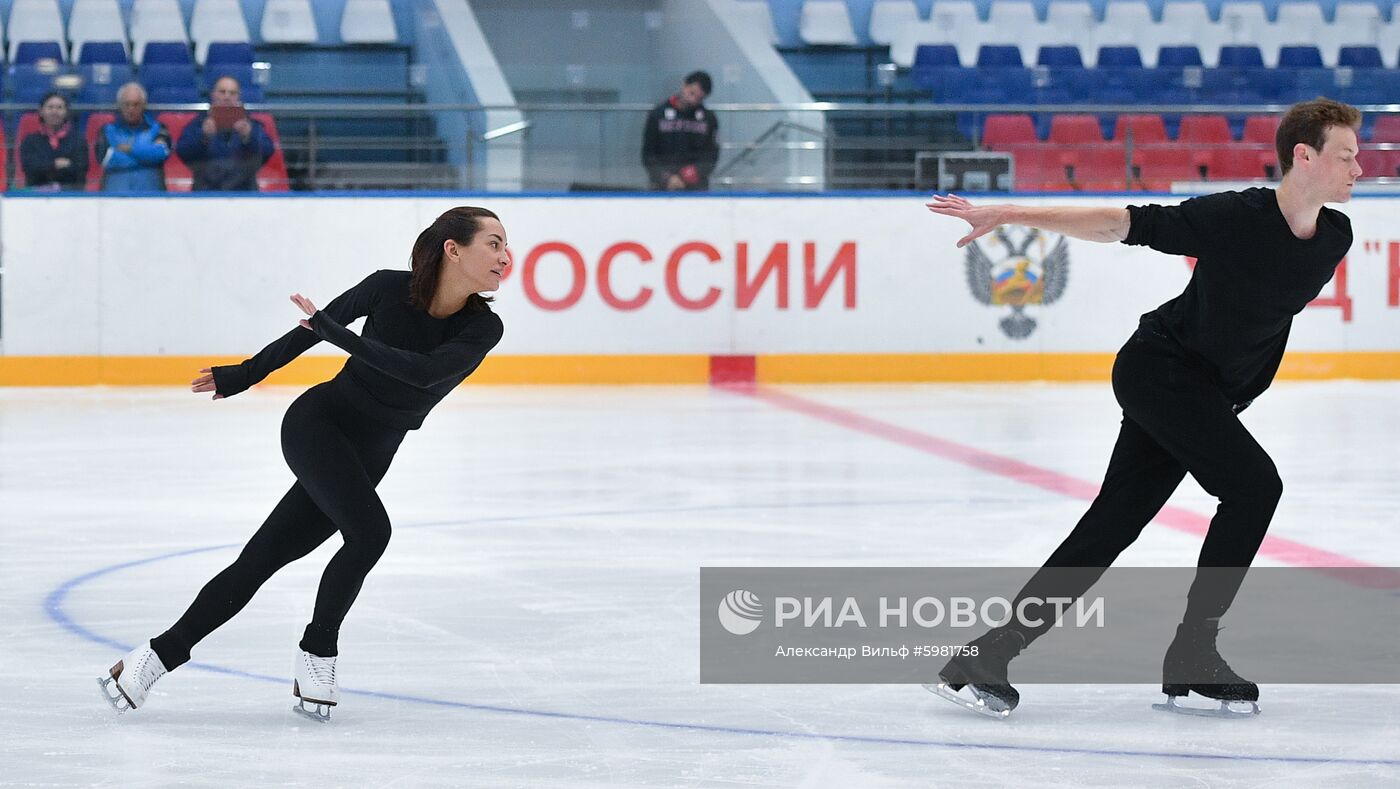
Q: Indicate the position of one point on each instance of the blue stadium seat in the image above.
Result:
(169, 83)
(1178, 57)
(1371, 86)
(1066, 85)
(1060, 57)
(934, 64)
(936, 56)
(1299, 57)
(167, 52)
(1360, 57)
(174, 94)
(1119, 57)
(103, 52)
(999, 56)
(936, 79)
(101, 81)
(30, 52)
(227, 52)
(30, 83)
(1311, 83)
(1235, 56)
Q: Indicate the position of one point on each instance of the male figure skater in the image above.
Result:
(1182, 378)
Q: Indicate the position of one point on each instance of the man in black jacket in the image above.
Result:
(678, 145)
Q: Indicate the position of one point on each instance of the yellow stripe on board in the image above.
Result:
(675, 369)
(307, 370)
(953, 367)
(918, 367)
(657, 369)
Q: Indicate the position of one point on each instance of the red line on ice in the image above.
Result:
(1279, 549)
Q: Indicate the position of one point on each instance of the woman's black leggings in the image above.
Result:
(338, 456)
(1175, 420)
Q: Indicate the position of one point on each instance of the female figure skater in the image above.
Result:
(427, 330)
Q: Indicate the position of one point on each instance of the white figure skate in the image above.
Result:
(314, 682)
(132, 678)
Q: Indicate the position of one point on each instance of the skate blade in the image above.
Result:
(321, 713)
(1224, 711)
(980, 704)
(118, 700)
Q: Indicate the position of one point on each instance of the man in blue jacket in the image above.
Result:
(133, 148)
(224, 147)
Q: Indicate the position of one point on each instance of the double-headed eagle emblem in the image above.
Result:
(1024, 275)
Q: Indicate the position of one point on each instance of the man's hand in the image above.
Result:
(62, 163)
(674, 183)
(244, 127)
(209, 127)
(984, 219)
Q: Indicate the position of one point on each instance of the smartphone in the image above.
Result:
(226, 115)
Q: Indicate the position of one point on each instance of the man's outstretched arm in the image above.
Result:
(1090, 224)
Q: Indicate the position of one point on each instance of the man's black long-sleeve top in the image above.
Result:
(1252, 275)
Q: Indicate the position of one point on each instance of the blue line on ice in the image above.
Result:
(54, 600)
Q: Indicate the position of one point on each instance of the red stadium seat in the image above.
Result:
(1100, 168)
(1075, 129)
(1239, 162)
(1209, 137)
(28, 124)
(1146, 128)
(1260, 129)
(1387, 129)
(178, 176)
(1161, 164)
(1038, 168)
(1379, 164)
(272, 177)
(1002, 130)
(95, 122)
(1204, 128)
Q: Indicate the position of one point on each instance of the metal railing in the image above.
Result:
(764, 147)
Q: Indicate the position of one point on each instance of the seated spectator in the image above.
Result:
(133, 148)
(224, 147)
(55, 157)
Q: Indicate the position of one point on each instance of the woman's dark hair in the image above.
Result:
(53, 94)
(458, 224)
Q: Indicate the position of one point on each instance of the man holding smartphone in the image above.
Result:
(224, 147)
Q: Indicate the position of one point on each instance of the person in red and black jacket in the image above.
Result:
(678, 145)
(56, 156)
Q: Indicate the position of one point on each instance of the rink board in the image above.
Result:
(634, 289)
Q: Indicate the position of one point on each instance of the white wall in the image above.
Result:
(180, 275)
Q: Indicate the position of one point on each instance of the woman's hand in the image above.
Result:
(205, 383)
(304, 304)
(984, 219)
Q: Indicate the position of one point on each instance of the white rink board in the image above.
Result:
(181, 275)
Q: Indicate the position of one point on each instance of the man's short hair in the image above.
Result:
(699, 78)
(1307, 122)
